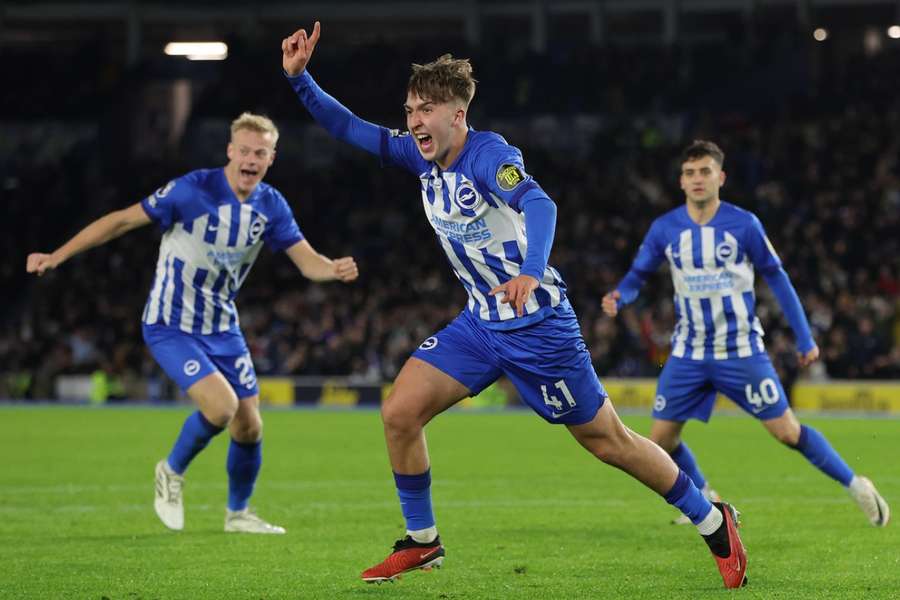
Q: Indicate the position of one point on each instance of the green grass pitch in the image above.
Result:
(523, 512)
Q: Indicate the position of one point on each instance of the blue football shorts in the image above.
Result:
(547, 362)
(687, 388)
(188, 358)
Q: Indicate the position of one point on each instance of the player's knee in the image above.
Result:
(614, 448)
(247, 432)
(785, 429)
(787, 436)
(397, 416)
(221, 412)
(666, 442)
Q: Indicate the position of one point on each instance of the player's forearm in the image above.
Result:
(318, 267)
(99, 232)
(784, 291)
(334, 116)
(540, 227)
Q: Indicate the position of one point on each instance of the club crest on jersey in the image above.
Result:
(509, 176)
(256, 229)
(428, 344)
(659, 403)
(164, 190)
(191, 368)
(466, 196)
(726, 252)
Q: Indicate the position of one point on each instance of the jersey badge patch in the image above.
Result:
(509, 176)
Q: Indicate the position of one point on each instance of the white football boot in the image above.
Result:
(708, 493)
(168, 503)
(863, 491)
(246, 521)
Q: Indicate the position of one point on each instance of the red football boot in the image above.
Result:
(733, 566)
(408, 555)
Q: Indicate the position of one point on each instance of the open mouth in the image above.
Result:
(424, 140)
(249, 173)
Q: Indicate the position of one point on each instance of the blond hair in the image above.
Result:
(443, 79)
(257, 123)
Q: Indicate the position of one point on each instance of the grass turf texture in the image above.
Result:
(523, 511)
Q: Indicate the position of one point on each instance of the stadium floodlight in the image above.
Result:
(198, 50)
(894, 32)
(820, 34)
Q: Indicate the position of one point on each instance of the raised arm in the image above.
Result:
(318, 267)
(104, 229)
(296, 50)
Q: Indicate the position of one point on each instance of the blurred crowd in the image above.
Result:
(817, 161)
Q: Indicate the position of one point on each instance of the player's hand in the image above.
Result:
(39, 263)
(610, 303)
(345, 269)
(809, 358)
(516, 291)
(297, 49)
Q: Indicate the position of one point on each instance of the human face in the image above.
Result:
(701, 179)
(250, 154)
(432, 125)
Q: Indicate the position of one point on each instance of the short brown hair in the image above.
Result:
(443, 79)
(257, 123)
(703, 148)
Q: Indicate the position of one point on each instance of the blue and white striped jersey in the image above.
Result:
(712, 269)
(210, 241)
(474, 210)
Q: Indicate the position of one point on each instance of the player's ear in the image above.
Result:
(272, 157)
(460, 117)
(229, 151)
(721, 178)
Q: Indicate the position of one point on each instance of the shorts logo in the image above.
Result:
(191, 368)
(164, 191)
(509, 176)
(659, 403)
(726, 252)
(428, 344)
(256, 229)
(466, 197)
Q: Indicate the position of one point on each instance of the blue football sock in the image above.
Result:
(686, 497)
(244, 461)
(685, 460)
(819, 452)
(415, 499)
(195, 435)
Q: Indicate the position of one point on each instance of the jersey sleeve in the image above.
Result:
(399, 149)
(760, 250)
(651, 252)
(166, 205)
(501, 171)
(391, 145)
(649, 256)
(282, 231)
